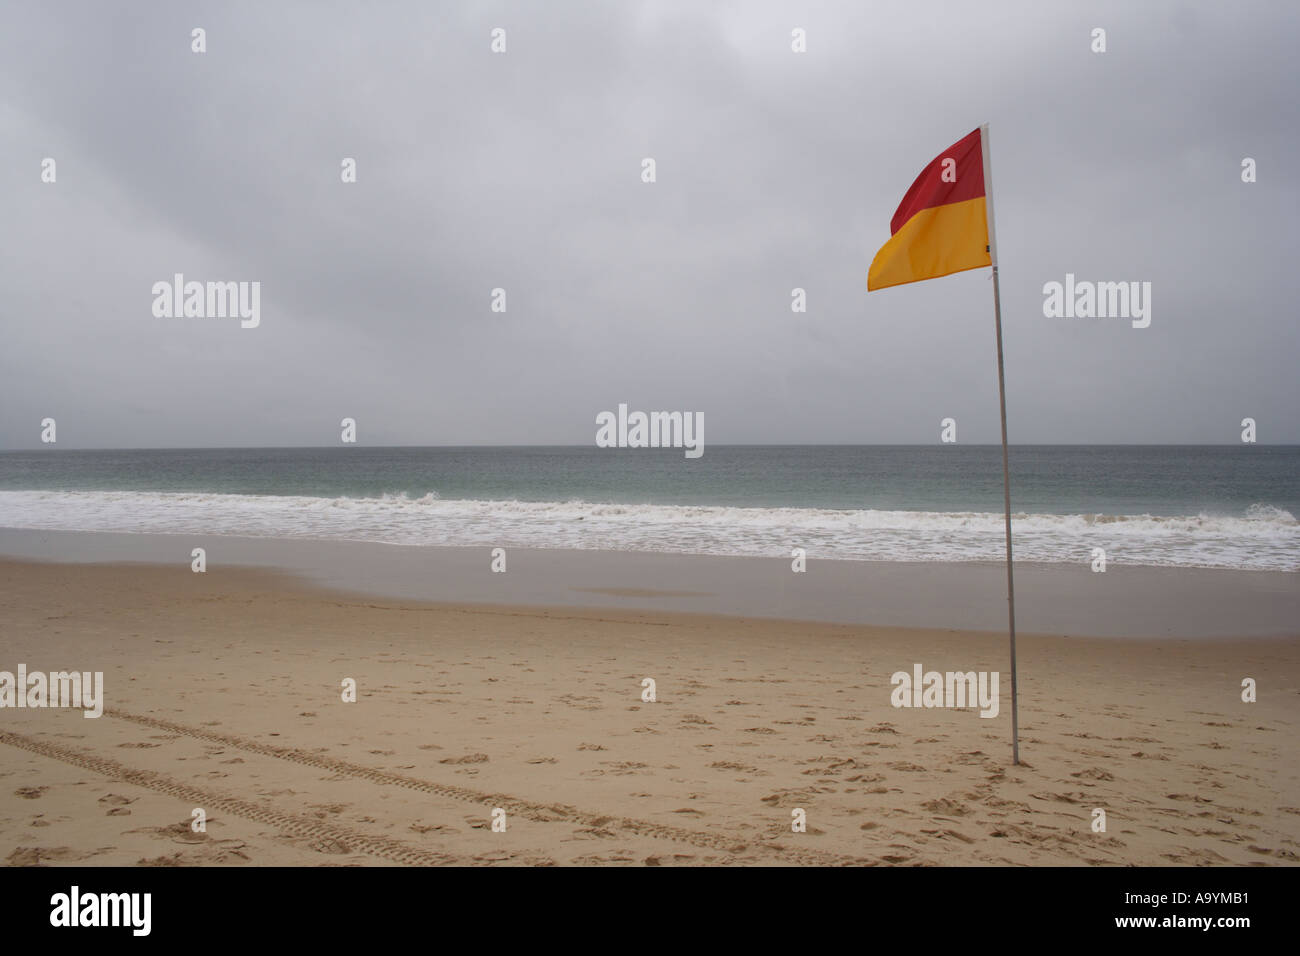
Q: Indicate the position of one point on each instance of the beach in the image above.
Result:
(223, 693)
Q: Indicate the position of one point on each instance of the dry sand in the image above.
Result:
(223, 692)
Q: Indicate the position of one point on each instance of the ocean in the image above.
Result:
(1181, 506)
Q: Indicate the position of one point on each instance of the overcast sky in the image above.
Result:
(522, 170)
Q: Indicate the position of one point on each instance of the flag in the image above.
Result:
(941, 225)
(944, 225)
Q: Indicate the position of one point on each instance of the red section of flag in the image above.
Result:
(930, 189)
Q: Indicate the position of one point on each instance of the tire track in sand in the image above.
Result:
(538, 812)
(394, 850)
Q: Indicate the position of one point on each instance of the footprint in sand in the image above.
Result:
(696, 719)
(468, 758)
(331, 846)
(946, 807)
(176, 832)
(28, 855)
(1093, 773)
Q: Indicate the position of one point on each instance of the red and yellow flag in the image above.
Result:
(940, 226)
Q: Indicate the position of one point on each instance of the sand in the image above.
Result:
(1067, 599)
(223, 693)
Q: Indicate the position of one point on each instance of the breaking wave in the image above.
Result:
(1264, 537)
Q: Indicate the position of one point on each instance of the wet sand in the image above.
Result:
(1050, 599)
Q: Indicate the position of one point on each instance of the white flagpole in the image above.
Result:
(1006, 471)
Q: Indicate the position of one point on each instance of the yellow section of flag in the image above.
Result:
(941, 226)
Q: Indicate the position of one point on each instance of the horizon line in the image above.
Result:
(340, 446)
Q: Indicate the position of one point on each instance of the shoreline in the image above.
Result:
(1125, 601)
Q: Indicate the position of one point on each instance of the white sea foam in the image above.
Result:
(1265, 537)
